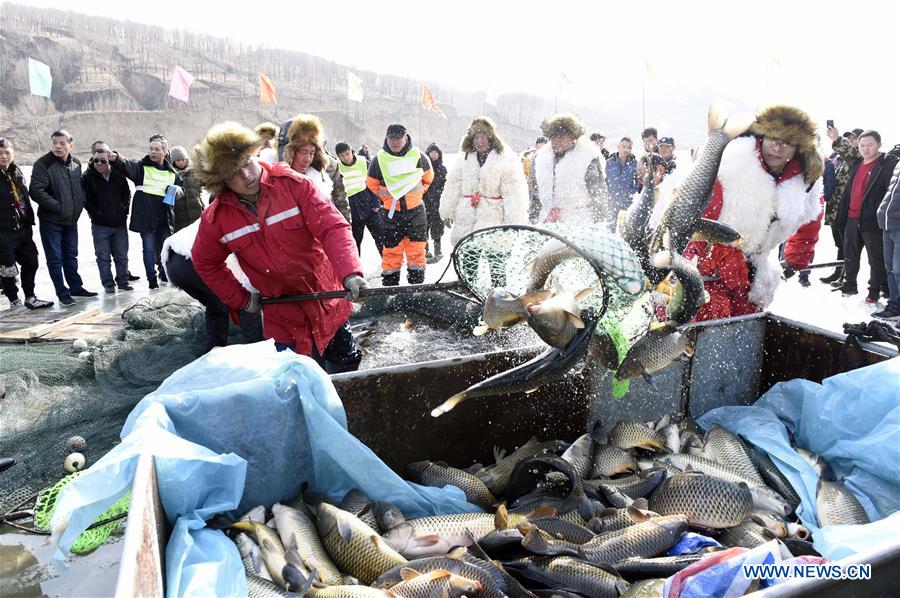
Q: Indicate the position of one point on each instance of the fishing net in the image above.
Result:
(91, 538)
(53, 392)
(500, 256)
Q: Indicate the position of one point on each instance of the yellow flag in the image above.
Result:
(354, 88)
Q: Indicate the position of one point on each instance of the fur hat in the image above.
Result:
(557, 125)
(793, 125)
(224, 150)
(267, 132)
(481, 124)
(305, 129)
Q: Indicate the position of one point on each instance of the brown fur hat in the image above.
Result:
(793, 125)
(481, 124)
(267, 132)
(306, 129)
(224, 150)
(557, 125)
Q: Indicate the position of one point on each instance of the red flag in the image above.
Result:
(266, 90)
(428, 102)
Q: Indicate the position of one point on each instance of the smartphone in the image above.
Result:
(829, 123)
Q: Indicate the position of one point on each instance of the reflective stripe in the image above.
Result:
(156, 181)
(354, 176)
(401, 174)
(282, 216)
(246, 230)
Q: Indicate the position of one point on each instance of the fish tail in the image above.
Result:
(448, 404)
(715, 118)
(737, 124)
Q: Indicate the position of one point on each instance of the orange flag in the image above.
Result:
(428, 102)
(266, 90)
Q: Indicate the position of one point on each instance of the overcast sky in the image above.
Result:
(836, 59)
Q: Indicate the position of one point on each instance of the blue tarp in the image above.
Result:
(241, 426)
(852, 420)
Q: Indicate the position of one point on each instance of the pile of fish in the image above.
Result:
(587, 518)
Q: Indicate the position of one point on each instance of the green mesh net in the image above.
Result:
(499, 257)
(53, 393)
(91, 538)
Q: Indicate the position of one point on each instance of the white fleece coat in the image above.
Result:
(764, 213)
(182, 242)
(501, 177)
(562, 185)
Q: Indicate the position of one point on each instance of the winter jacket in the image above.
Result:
(296, 243)
(621, 179)
(829, 183)
(800, 248)
(10, 218)
(432, 196)
(766, 210)
(879, 179)
(845, 154)
(572, 188)
(56, 189)
(478, 196)
(106, 201)
(889, 209)
(338, 193)
(189, 207)
(148, 212)
(376, 184)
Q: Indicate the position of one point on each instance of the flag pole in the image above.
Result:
(643, 99)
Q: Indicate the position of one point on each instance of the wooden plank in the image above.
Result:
(39, 331)
(141, 570)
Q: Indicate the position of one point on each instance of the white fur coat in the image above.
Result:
(765, 213)
(501, 176)
(562, 185)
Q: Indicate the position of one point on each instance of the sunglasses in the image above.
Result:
(101, 161)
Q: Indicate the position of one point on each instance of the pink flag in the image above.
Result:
(180, 89)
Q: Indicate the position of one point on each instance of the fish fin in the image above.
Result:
(428, 540)
(407, 573)
(576, 320)
(480, 330)
(534, 542)
(457, 553)
(525, 527)
(647, 376)
(501, 518)
(536, 296)
(542, 512)
(584, 293)
(715, 117)
(474, 468)
(437, 574)
(641, 503)
(344, 529)
(295, 580)
(499, 454)
(244, 526)
(689, 351)
(636, 515)
(737, 124)
(441, 464)
(448, 404)
(533, 308)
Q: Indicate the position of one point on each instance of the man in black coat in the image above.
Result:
(432, 199)
(56, 188)
(867, 184)
(107, 200)
(18, 253)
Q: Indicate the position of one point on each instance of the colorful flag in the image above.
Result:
(39, 78)
(491, 95)
(266, 90)
(428, 102)
(180, 89)
(354, 88)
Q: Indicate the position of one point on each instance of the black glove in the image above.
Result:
(448, 223)
(787, 270)
(355, 283)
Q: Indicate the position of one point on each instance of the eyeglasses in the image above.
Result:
(101, 161)
(780, 143)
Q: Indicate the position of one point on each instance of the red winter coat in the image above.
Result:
(298, 243)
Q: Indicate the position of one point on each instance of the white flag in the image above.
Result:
(354, 88)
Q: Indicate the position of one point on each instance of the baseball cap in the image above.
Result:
(396, 130)
(665, 141)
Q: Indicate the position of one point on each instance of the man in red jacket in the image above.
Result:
(288, 238)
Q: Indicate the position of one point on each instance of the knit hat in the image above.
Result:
(794, 126)
(224, 150)
(178, 153)
(558, 125)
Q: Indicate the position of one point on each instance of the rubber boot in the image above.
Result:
(390, 280)
(838, 273)
(415, 276)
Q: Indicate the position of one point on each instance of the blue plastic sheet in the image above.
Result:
(852, 420)
(691, 543)
(241, 426)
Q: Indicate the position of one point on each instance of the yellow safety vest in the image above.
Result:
(354, 176)
(156, 181)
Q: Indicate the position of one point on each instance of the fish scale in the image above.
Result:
(727, 449)
(629, 434)
(646, 539)
(835, 505)
(496, 476)
(662, 566)
(257, 587)
(611, 460)
(347, 592)
(365, 555)
(297, 528)
(432, 474)
(574, 574)
(356, 502)
(707, 466)
(635, 486)
(492, 586)
(706, 500)
(747, 534)
(620, 519)
(774, 478)
(447, 586)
